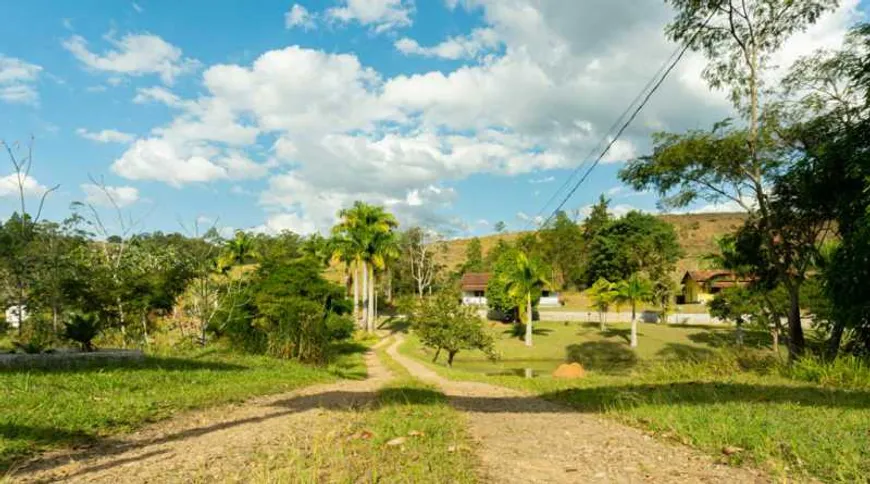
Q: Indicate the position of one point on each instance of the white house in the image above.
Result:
(14, 317)
(474, 291)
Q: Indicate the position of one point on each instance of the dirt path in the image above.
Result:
(526, 439)
(217, 444)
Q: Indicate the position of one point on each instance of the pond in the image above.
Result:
(526, 368)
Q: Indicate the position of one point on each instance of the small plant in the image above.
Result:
(36, 337)
(82, 328)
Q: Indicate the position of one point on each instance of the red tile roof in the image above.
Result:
(475, 281)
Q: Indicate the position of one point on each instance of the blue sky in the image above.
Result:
(273, 115)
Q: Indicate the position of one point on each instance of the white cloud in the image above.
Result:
(134, 55)
(138, 8)
(122, 196)
(478, 42)
(106, 136)
(159, 94)
(17, 80)
(381, 15)
(157, 159)
(546, 179)
(281, 222)
(615, 190)
(298, 16)
(9, 186)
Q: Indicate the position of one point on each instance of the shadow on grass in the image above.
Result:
(587, 400)
(603, 356)
(684, 352)
(519, 331)
(727, 338)
(625, 334)
(99, 365)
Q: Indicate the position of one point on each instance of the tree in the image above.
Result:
(238, 250)
(419, 248)
(500, 227)
(636, 289)
(603, 293)
(562, 246)
(597, 220)
(636, 242)
(524, 277)
(474, 257)
(738, 38)
(443, 323)
(365, 231)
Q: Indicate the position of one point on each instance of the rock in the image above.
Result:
(731, 450)
(396, 441)
(573, 370)
(416, 433)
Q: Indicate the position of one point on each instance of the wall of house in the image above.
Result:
(472, 298)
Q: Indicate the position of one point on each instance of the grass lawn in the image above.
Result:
(683, 387)
(436, 446)
(47, 408)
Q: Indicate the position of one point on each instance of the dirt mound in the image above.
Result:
(573, 370)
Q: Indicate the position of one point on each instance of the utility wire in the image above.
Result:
(673, 64)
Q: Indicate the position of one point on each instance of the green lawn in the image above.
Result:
(683, 386)
(435, 445)
(42, 409)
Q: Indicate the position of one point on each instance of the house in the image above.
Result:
(702, 286)
(473, 286)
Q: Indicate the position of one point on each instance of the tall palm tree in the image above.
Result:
(634, 290)
(237, 250)
(384, 249)
(360, 227)
(525, 276)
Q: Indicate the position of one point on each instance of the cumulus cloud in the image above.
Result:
(106, 136)
(17, 80)
(337, 131)
(109, 196)
(478, 42)
(134, 55)
(9, 186)
(298, 16)
(380, 15)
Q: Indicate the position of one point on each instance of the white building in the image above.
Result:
(474, 291)
(14, 317)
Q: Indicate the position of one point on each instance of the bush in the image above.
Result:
(847, 371)
(443, 323)
(296, 328)
(511, 316)
(82, 328)
(339, 327)
(36, 336)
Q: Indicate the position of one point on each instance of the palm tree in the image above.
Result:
(237, 250)
(634, 290)
(603, 292)
(384, 249)
(360, 228)
(525, 277)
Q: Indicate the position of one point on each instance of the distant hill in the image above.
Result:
(697, 234)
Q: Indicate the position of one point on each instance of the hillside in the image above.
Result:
(697, 234)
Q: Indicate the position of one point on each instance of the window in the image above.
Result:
(545, 293)
(478, 293)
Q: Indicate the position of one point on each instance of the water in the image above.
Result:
(521, 368)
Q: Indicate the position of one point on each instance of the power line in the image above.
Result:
(607, 134)
(627, 123)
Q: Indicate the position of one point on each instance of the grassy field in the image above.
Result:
(434, 444)
(685, 385)
(42, 409)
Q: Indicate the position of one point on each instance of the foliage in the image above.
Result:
(603, 294)
(82, 328)
(562, 247)
(636, 289)
(635, 242)
(474, 257)
(443, 323)
(524, 277)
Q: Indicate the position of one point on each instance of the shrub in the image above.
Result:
(339, 327)
(36, 336)
(296, 328)
(82, 328)
(443, 323)
(847, 371)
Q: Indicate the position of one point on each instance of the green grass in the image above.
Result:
(47, 408)
(806, 421)
(436, 446)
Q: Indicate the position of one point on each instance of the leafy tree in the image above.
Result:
(636, 242)
(524, 278)
(82, 328)
(443, 323)
(238, 250)
(474, 257)
(500, 227)
(738, 164)
(636, 289)
(562, 247)
(602, 293)
(597, 220)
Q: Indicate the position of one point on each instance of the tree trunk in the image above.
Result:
(437, 354)
(739, 333)
(389, 285)
(633, 325)
(775, 334)
(834, 342)
(450, 355)
(365, 294)
(371, 315)
(796, 340)
(356, 293)
(529, 319)
(145, 327)
(601, 319)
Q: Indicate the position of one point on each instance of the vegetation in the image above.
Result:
(632, 291)
(443, 323)
(85, 402)
(691, 385)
